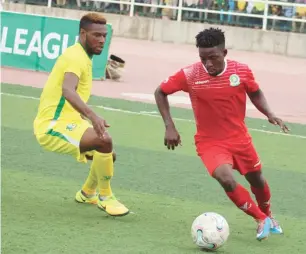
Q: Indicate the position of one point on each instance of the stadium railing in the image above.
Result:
(285, 15)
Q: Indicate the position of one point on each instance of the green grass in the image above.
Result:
(165, 189)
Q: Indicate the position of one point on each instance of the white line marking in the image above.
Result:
(150, 97)
(149, 112)
(173, 99)
(153, 115)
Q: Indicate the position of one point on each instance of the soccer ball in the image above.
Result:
(210, 231)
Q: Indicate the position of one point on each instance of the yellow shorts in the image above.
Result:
(64, 136)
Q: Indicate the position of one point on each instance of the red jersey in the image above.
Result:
(218, 102)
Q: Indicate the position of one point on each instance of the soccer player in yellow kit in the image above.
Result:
(65, 124)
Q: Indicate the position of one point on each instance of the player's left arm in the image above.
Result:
(173, 84)
(259, 100)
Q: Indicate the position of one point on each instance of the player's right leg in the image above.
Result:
(218, 162)
(261, 190)
(101, 171)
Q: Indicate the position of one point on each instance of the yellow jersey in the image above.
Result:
(53, 106)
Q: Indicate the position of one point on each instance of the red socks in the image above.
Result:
(243, 200)
(263, 197)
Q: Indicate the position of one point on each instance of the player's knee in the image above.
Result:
(105, 145)
(225, 177)
(256, 179)
(228, 183)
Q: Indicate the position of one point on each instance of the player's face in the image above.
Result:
(213, 59)
(95, 38)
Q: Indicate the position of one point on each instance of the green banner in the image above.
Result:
(34, 42)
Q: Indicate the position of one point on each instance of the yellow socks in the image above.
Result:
(89, 187)
(101, 173)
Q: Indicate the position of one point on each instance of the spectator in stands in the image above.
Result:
(125, 8)
(276, 10)
(241, 5)
(170, 13)
(97, 5)
(153, 10)
(81, 2)
(288, 12)
(221, 7)
(17, 1)
(258, 8)
(299, 13)
(142, 10)
(231, 8)
(190, 15)
(60, 3)
(207, 5)
(249, 10)
(145, 9)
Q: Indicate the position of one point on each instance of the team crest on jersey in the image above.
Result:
(70, 126)
(234, 80)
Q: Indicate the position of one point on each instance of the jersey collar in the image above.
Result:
(90, 57)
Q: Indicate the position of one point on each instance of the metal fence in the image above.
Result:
(285, 15)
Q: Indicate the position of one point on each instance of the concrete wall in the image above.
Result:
(282, 43)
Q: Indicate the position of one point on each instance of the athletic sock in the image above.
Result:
(103, 166)
(91, 183)
(263, 197)
(242, 199)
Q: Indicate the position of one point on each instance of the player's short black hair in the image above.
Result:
(92, 18)
(212, 37)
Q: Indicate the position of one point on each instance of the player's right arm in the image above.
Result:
(70, 83)
(174, 83)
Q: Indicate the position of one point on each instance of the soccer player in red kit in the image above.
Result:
(217, 88)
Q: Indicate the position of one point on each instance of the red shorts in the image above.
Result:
(242, 157)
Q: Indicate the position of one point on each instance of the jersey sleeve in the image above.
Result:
(175, 83)
(73, 66)
(251, 84)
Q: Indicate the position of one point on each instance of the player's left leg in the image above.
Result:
(249, 165)
(102, 170)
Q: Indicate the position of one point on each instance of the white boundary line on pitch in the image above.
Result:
(153, 115)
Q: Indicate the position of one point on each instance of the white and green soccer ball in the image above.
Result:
(210, 231)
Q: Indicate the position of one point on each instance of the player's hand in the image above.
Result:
(277, 121)
(172, 138)
(100, 125)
